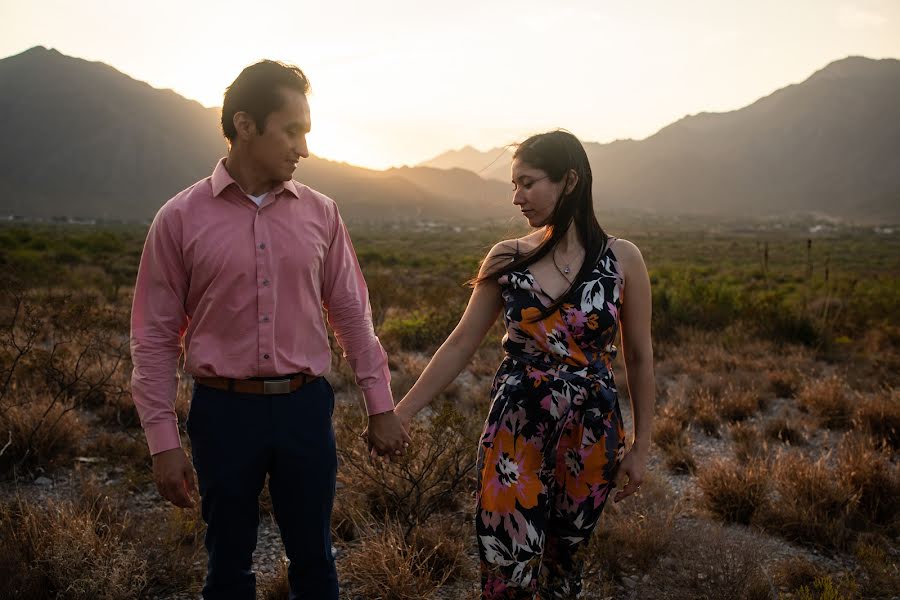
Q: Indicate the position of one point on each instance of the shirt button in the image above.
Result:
(266, 282)
(265, 318)
(262, 246)
(266, 356)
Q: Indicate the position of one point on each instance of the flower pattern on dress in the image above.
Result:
(553, 437)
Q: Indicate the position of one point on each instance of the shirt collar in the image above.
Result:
(221, 179)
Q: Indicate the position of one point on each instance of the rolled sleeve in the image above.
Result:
(158, 320)
(346, 300)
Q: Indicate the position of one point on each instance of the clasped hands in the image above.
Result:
(387, 435)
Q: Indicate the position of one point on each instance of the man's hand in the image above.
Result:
(174, 477)
(386, 435)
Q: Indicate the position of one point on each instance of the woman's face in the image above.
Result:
(534, 193)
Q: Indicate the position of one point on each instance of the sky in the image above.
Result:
(398, 82)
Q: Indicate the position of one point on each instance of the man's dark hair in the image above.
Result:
(257, 92)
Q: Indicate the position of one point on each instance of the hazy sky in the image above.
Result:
(399, 82)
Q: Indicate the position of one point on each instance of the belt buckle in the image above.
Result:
(277, 386)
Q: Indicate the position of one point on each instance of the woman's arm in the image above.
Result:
(637, 348)
(456, 352)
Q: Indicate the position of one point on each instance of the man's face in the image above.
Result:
(282, 144)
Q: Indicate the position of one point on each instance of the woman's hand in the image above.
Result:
(630, 473)
(403, 414)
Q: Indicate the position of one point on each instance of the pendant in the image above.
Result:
(566, 270)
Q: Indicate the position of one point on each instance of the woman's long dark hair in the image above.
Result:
(556, 153)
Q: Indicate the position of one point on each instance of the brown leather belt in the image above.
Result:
(258, 385)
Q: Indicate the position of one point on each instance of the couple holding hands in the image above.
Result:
(234, 275)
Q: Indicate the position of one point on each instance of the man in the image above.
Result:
(237, 268)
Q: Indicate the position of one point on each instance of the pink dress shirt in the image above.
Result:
(243, 289)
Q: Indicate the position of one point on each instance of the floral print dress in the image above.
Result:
(553, 437)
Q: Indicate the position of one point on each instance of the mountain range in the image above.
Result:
(85, 140)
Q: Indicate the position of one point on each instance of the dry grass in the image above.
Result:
(431, 478)
(670, 435)
(348, 514)
(72, 550)
(830, 502)
(786, 430)
(824, 588)
(812, 504)
(36, 431)
(734, 492)
(784, 383)
(707, 561)
(875, 479)
(881, 577)
(385, 566)
(667, 431)
(829, 399)
(705, 411)
(737, 404)
(749, 444)
(634, 533)
(795, 572)
(276, 586)
(680, 459)
(879, 415)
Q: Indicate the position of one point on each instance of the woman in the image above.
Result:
(554, 442)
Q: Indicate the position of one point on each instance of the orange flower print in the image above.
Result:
(581, 467)
(551, 335)
(510, 474)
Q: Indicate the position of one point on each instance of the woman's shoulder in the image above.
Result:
(624, 250)
(628, 257)
(514, 246)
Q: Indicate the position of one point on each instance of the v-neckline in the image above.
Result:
(542, 292)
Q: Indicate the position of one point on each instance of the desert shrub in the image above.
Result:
(875, 480)
(785, 429)
(667, 431)
(670, 435)
(880, 578)
(63, 550)
(387, 563)
(747, 441)
(634, 533)
(38, 432)
(275, 586)
(737, 404)
(705, 411)
(795, 572)
(707, 561)
(824, 588)
(423, 329)
(439, 464)
(812, 504)
(734, 492)
(829, 400)
(784, 383)
(58, 353)
(878, 415)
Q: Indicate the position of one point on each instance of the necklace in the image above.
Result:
(567, 267)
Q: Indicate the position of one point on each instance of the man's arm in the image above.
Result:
(158, 319)
(346, 298)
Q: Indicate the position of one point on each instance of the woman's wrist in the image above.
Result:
(641, 445)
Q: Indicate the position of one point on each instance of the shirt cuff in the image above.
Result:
(162, 436)
(378, 400)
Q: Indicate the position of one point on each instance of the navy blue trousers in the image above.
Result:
(237, 439)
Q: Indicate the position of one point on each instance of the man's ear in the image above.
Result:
(245, 125)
